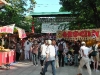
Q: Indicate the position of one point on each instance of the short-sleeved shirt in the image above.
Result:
(27, 46)
(51, 51)
(85, 49)
(43, 48)
(35, 49)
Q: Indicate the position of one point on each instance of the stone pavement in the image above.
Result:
(26, 68)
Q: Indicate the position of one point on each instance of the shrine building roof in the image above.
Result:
(49, 14)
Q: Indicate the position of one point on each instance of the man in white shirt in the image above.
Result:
(84, 51)
(43, 54)
(50, 58)
(27, 46)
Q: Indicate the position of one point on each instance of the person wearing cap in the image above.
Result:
(84, 52)
(50, 58)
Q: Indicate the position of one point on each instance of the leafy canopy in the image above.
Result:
(88, 13)
(15, 14)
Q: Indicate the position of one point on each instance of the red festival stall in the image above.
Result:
(7, 56)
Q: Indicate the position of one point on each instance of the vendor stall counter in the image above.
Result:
(7, 57)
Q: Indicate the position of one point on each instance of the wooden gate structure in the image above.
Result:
(53, 16)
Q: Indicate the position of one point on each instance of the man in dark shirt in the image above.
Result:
(76, 49)
(18, 53)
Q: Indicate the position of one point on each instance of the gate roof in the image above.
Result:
(49, 14)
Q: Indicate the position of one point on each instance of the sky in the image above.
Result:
(47, 6)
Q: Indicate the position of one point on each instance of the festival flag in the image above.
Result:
(21, 32)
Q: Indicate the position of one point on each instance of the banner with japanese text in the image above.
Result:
(7, 29)
(85, 34)
(48, 28)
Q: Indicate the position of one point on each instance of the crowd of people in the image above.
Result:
(60, 53)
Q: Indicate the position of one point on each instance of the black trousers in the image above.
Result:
(17, 56)
(61, 58)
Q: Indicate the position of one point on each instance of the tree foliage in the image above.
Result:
(15, 14)
(88, 13)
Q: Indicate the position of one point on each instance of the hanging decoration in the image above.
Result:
(86, 34)
(64, 34)
(21, 32)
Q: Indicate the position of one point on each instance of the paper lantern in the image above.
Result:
(64, 34)
(70, 33)
(75, 34)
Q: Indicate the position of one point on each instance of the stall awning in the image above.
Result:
(10, 29)
(7, 28)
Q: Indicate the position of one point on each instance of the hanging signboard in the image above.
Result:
(49, 28)
(10, 29)
(80, 34)
(21, 32)
(53, 27)
(7, 29)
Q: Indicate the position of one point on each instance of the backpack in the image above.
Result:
(94, 53)
(93, 48)
(60, 47)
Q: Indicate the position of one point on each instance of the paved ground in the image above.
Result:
(26, 68)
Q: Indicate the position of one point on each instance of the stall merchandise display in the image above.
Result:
(2, 49)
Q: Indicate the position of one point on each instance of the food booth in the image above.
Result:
(7, 56)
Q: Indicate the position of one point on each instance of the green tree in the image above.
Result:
(87, 13)
(15, 14)
(62, 9)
